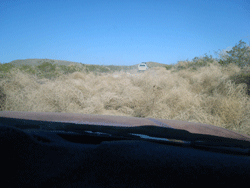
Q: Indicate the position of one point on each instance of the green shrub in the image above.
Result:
(196, 63)
(46, 70)
(46, 67)
(2, 99)
(239, 55)
(97, 68)
(181, 65)
(27, 68)
(68, 69)
(104, 69)
(4, 68)
(113, 68)
(168, 67)
(201, 62)
(91, 68)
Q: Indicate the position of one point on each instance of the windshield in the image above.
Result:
(83, 56)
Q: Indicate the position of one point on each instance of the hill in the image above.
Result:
(63, 62)
(36, 62)
(40, 61)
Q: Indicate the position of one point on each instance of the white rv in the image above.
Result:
(142, 67)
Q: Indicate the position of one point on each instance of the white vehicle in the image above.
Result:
(142, 67)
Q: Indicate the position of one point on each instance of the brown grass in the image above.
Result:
(206, 95)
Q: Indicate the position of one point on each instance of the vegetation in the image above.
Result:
(5, 68)
(196, 63)
(203, 90)
(242, 77)
(239, 55)
(169, 67)
(2, 99)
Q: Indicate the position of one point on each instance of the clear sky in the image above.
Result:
(120, 32)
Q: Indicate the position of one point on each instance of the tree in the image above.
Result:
(239, 55)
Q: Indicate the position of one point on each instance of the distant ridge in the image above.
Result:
(39, 61)
(35, 62)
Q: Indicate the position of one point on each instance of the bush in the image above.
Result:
(196, 63)
(46, 67)
(2, 99)
(201, 62)
(6, 67)
(239, 55)
(28, 69)
(168, 67)
(97, 68)
(181, 65)
(104, 69)
(242, 78)
(68, 69)
(46, 70)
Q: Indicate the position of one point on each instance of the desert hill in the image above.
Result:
(35, 62)
(40, 61)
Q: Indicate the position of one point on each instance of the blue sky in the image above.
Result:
(120, 32)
